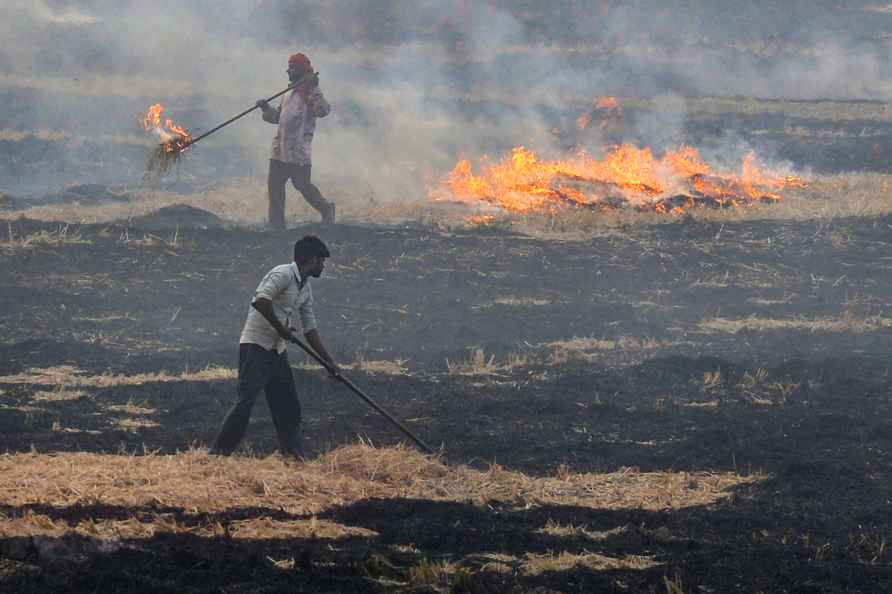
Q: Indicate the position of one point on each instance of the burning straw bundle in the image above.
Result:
(164, 157)
(174, 140)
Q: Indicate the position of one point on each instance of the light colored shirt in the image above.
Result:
(284, 288)
(297, 124)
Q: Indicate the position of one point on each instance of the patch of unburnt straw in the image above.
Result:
(63, 235)
(379, 366)
(41, 495)
(345, 474)
(821, 324)
(68, 376)
(478, 363)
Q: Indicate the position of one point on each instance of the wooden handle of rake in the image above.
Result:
(424, 447)
(234, 118)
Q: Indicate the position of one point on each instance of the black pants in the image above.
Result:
(279, 174)
(260, 369)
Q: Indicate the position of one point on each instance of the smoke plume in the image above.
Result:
(412, 85)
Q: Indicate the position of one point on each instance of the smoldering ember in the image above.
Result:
(461, 296)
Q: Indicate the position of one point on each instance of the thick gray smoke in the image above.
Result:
(413, 85)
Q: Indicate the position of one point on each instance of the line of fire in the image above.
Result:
(626, 176)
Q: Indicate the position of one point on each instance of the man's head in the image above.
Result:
(298, 65)
(309, 255)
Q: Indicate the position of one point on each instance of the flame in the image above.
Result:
(610, 111)
(152, 119)
(680, 179)
(607, 103)
(481, 219)
(174, 138)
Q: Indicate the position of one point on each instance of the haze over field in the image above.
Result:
(623, 267)
(412, 86)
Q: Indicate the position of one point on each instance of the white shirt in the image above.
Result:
(297, 124)
(284, 288)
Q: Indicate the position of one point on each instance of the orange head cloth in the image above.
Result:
(300, 62)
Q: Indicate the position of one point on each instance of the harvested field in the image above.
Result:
(698, 404)
(293, 517)
(625, 265)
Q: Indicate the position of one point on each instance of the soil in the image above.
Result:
(801, 391)
(176, 216)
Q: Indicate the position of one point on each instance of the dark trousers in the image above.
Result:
(260, 369)
(279, 174)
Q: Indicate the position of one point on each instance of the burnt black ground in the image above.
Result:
(426, 295)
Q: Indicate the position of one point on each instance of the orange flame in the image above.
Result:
(174, 138)
(607, 103)
(627, 174)
(611, 112)
(481, 219)
(152, 119)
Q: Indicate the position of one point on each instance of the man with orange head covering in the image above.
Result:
(291, 152)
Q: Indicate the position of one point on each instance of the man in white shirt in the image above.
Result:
(263, 360)
(292, 146)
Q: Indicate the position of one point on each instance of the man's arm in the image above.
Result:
(265, 307)
(312, 95)
(318, 104)
(315, 341)
(270, 114)
(308, 323)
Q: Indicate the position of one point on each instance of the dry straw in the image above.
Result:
(161, 161)
(198, 483)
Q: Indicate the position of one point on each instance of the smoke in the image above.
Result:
(412, 85)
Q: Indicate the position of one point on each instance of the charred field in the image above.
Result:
(692, 406)
(686, 399)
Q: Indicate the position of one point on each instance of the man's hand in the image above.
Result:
(263, 104)
(286, 334)
(316, 342)
(310, 80)
(333, 369)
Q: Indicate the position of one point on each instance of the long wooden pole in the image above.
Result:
(234, 118)
(424, 447)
